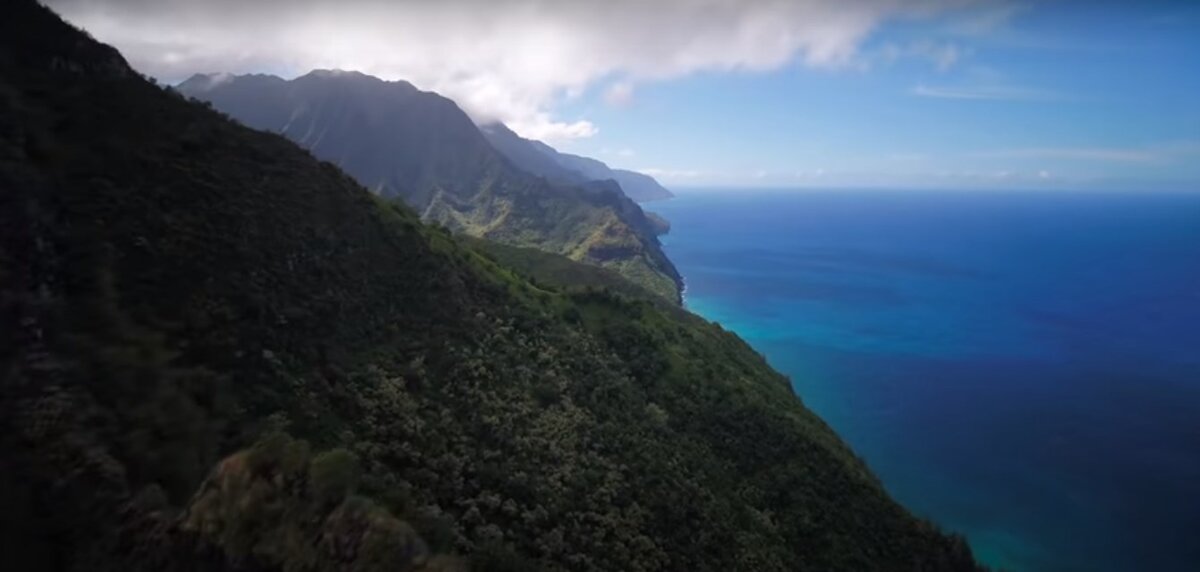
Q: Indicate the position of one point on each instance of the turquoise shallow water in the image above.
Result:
(1021, 367)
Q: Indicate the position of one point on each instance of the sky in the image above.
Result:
(752, 93)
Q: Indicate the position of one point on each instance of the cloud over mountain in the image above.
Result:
(502, 60)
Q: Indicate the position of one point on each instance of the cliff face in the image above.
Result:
(418, 146)
(177, 288)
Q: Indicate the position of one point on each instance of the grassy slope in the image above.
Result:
(175, 286)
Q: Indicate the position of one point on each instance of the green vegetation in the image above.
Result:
(273, 505)
(591, 229)
(550, 271)
(177, 289)
(420, 147)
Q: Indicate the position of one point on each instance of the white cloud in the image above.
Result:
(1117, 155)
(986, 22)
(507, 60)
(670, 174)
(986, 92)
(619, 94)
(943, 56)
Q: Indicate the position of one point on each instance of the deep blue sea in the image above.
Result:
(1019, 367)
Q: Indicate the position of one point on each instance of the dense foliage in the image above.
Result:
(176, 289)
(419, 146)
(549, 271)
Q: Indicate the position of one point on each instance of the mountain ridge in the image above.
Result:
(543, 160)
(419, 146)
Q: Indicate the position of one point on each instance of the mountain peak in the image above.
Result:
(356, 77)
(338, 73)
(206, 81)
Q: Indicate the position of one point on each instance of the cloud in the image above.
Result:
(986, 92)
(1152, 157)
(508, 60)
(985, 22)
(619, 94)
(670, 174)
(1113, 155)
(942, 55)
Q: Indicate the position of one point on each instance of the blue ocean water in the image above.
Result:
(1022, 367)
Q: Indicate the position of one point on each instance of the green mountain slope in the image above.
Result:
(403, 142)
(176, 289)
(546, 270)
(545, 161)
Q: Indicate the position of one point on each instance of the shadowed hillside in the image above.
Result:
(178, 289)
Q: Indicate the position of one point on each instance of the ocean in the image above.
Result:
(1020, 367)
